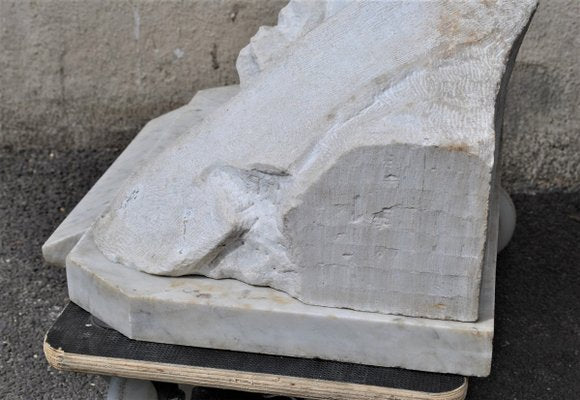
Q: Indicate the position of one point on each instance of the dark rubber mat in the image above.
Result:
(75, 331)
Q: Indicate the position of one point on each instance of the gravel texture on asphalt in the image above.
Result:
(537, 340)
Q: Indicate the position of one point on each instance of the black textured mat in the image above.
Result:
(76, 332)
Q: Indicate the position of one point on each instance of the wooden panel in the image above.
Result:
(237, 380)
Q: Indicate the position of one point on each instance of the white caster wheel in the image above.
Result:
(507, 219)
(133, 389)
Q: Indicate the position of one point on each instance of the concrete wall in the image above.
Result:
(91, 73)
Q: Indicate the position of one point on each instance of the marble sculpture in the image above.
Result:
(355, 168)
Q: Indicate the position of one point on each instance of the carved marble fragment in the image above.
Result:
(228, 314)
(355, 168)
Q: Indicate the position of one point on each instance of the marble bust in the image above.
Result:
(355, 168)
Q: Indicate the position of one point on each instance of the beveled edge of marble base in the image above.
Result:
(228, 314)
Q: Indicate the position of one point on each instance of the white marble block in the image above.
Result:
(341, 204)
(354, 169)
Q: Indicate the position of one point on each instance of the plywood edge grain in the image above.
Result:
(235, 380)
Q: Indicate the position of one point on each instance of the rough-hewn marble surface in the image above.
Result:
(155, 136)
(355, 169)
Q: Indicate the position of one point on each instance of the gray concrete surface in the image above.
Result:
(537, 340)
(89, 74)
(36, 191)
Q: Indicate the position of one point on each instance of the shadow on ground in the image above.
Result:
(537, 340)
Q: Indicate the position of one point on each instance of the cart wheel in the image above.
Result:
(133, 389)
(507, 219)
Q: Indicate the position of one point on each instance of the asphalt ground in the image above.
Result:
(537, 338)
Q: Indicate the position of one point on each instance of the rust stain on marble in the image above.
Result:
(458, 147)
